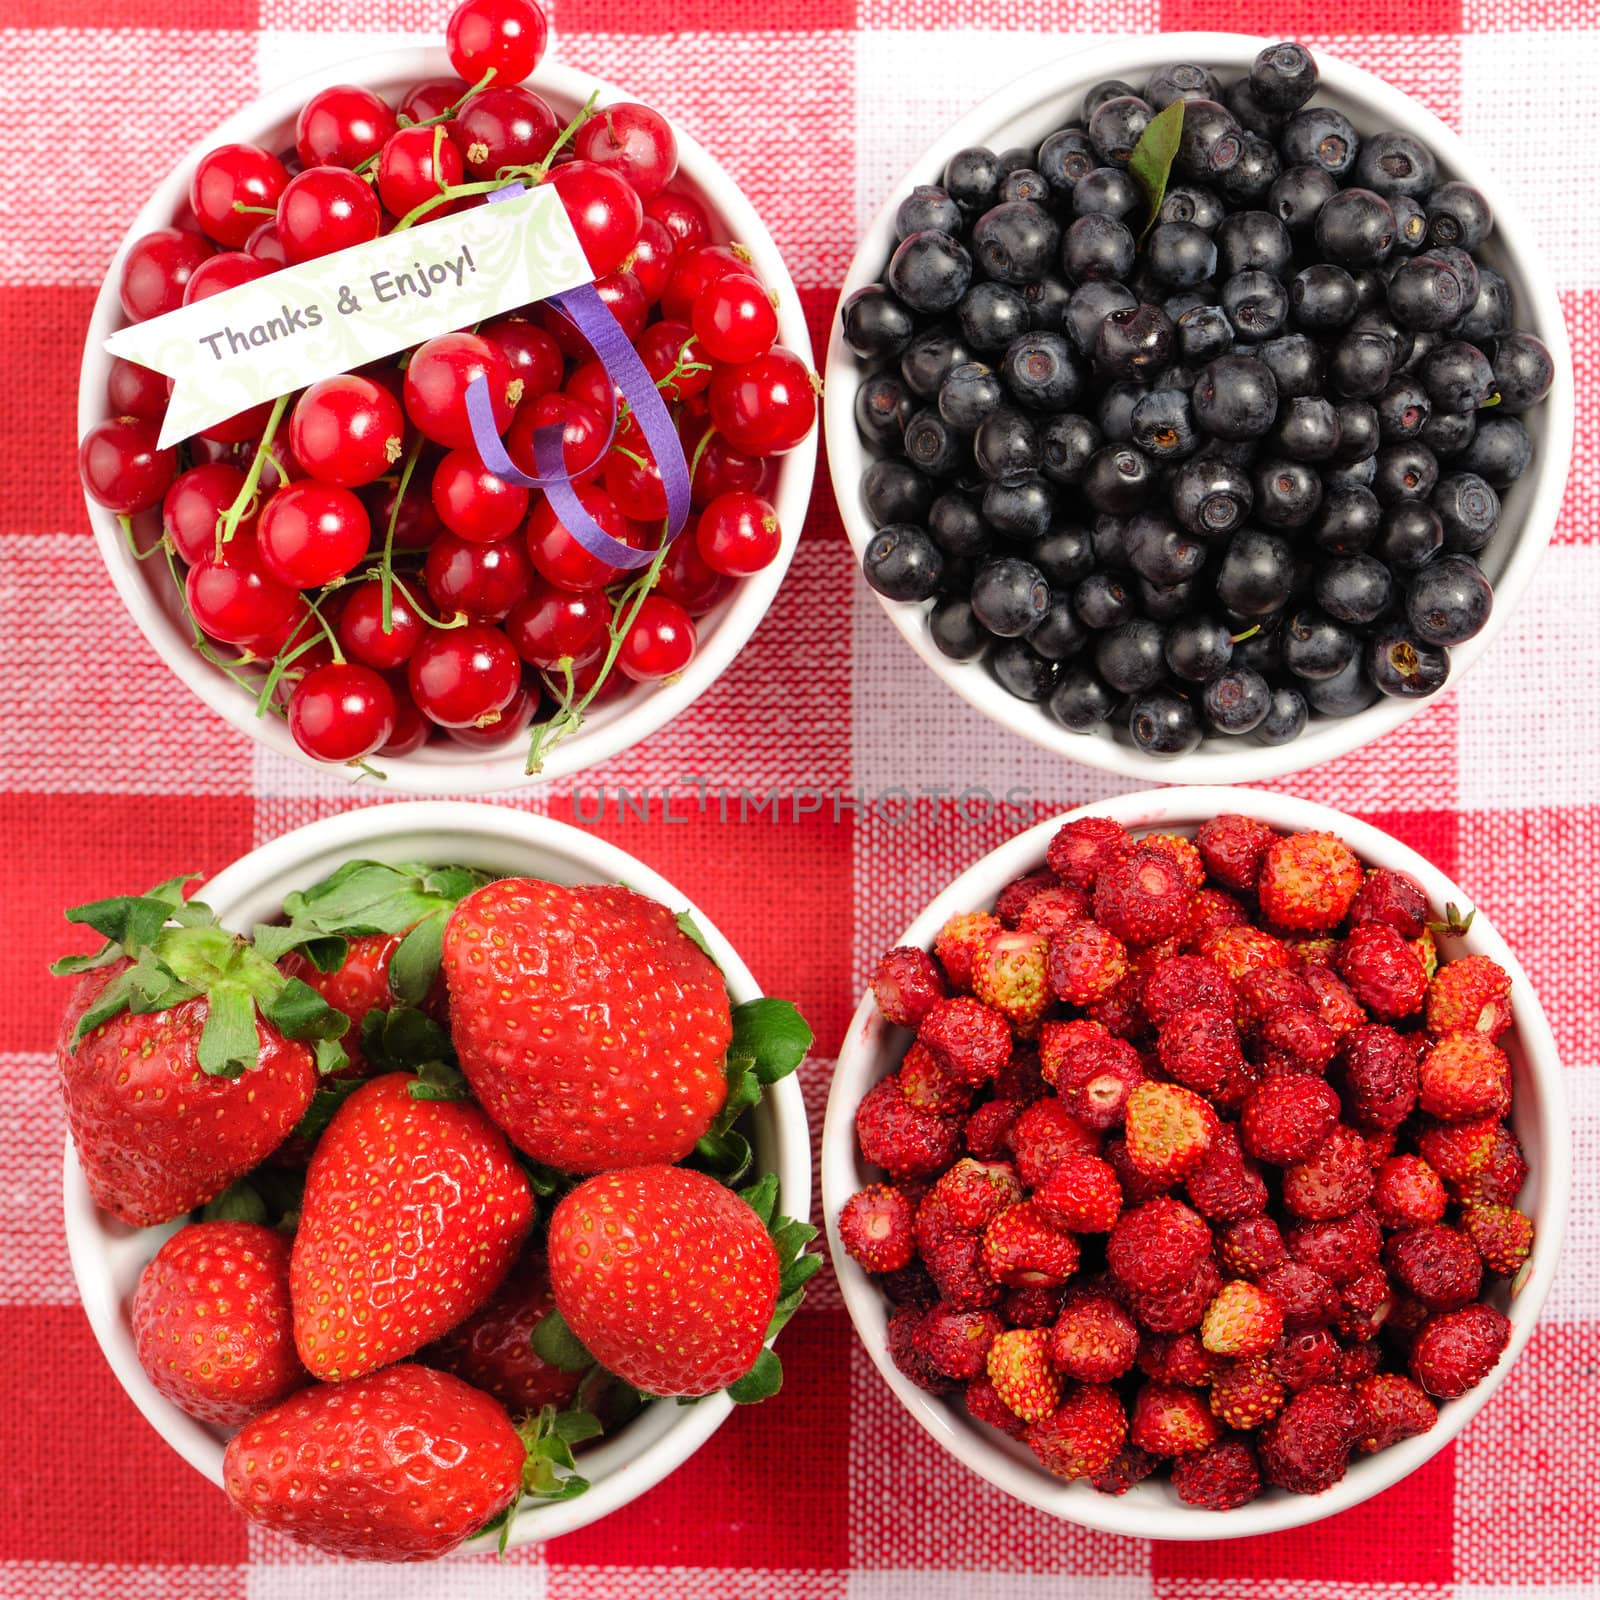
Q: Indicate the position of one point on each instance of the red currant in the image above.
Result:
(193, 504)
(464, 677)
(431, 98)
(311, 533)
(506, 37)
(341, 712)
(505, 128)
(534, 356)
(590, 385)
(122, 468)
(437, 378)
(604, 211)
(682, 216)
(481, 581)
(765, 406)
(559, 557)
(341, 127)
(472, 502)
(155, 270)
(362, 635)
(739, 534)
(660, 643)
(346, 430)
(582, 436)
(686, 578)
(693, 271)
(411, 728)
(636, 485)
(265, 245)
(135, 391)
(723, 469)
(668, 345)
(237, 600)
(651, 258)
(417, 525)
(317, 653)
(549, 624)
(634, 142)
(735, 319)
(516, 718)
(229, 178)
(326, 209)
(217, 274)
(415, 165)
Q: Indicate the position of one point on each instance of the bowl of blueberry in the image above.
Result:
(1198, 408)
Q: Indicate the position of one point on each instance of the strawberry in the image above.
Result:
(414, 1210)
(984, 1402)
(1393, 1408)
(1340, 1247)
(1456, 1350)
(1287, 1118)
(957, 944)
(1232, 848)
(875, 1228)
(1391, 897)
(1082, 1195)
(1384, 972)
(1051, 909)
(1157, 1246)
(1473, 993)
(1019, 1368)
(1022, 1248)
(1143, 896)
(903, 1337)
(1169, 1421)
(1221, 1477)
(1180, 1309)
(1247, 1394)
(668, 1278)
(1407, 1193)
(1242, 1321)
(1085, 962)
(1130, 1465)
(1180, 982)
(905, 983)
(1178, 1358)
(1094, 1339)
(1013, 899)
(1503, 1235)
(1251, 1247)
(1168, 1129)
(1306, 1447)
(1008, 974)
(902, 1139)
(1199, 1048)
(1240, 949)
(976, 1192)
(967, 1038)
(590, 1026)
(1082, 1436)
(1464, 1075)
(212, 1324)
(931, 1087)
(1332, 1181)
(1439, 1265)
(1308, 881)
(1226, 1184)
(956, 1343)
(1044, 1136)
(399, 1465)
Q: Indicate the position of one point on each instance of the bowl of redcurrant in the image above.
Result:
(1198, 407)
(339, 574)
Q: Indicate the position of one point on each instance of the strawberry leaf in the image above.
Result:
(555, 1342)
(796, 1275)
(415, 962)
(760, 1383)
(772, 1035)
(436, 1081)
(240, 1203)
(762, 1197)
(229, 1041)
(326, 1098)
(404, 1039)
(325, 951)
(133, 921)
(724, 1156)
(297, 1011)
(690, 929)
(330, 1056)
(374, 897)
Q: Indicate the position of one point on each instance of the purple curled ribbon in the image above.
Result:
(591, 316)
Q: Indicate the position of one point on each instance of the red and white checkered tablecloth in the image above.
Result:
(113, 776)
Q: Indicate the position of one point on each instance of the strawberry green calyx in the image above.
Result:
(796, 1267)
(176, 951)
(770, 1040)
(550, 1470)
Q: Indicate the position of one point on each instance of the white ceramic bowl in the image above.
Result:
(108, 1256)
(1022, 114)
(1152, 1510)
(443, 766)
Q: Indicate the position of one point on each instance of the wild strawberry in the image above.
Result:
(1472, 994)
(1304, 1357)
(1021, 1247)
(875, 1227)
(1251, 1247)
(1020, 1079)
(1137, 1187)
(1304, 1295)
(1392, 898)
(430, 1182)
(1426, 949)
(1393, 1408)
(427, 1458)
(984, 1402)
(1308, 881)
(1082, 1436)
(1095, 1080)
(1014, 897)
(1019, 1368)
(589, 1025)
(1119, 1010)
(1168, 1129)
(1458, 1150)
(905, 1142)
(1210, 912)
(1499, 1181)
(1060, 1041)
(929, 1086)
(1082, 1195)
(1226, 1184)
(1380, 1146)
(1306, 1447)
(1335, 1004)
(1503, 1235)
(1238, 950)
(1178, 1358)
(954, 1259)
(1407, 1193)
(1177, 1310)
(212, 1324)
(956, 1342)
(1464, 1075)
(1232, 848)
(988, 1130)
(1438, 1264)
(1220, 1478)
(1044, 1136)
(1130, 1465)
(1031, 1305)
(974, 1192)
(1247, 1394)
(1085, 961)
(1364, 1302)
(1157, 1246)
(1358, 1362)
(905, 983)
(958, 942)
(1384, 973)
(1378, 1068)
(1242, 1320)
(1184, 981)
(1182, 852)
(1263, 991)
(1331, 1182)
(1456, 1350)
(910, 1286)
(967, 1038)
(1168, 1421)
(903, 1338)
(1199, 1048)
(1008, 973)
(1297, 1041)
(1082, 848)
(1286, 1119)
(1142, 897)
(1050, 910)
(1339, 1248)
(1321, 952)
(1094, 1339)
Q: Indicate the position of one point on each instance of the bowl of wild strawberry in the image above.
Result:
(389, 1156)
(1199, 407)
(345, 581)
(1197, 1164)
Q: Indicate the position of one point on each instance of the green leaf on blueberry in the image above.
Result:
(1153, 156)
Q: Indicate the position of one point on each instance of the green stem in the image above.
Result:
(428, 122)
(386, 570)
(228, 522)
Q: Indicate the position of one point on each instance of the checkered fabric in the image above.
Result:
(113, 776)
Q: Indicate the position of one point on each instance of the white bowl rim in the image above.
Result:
(482, 826)
(1215, 760)
(444, 767)
(978, 1447)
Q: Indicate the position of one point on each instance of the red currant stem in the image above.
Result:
(386, 570)
(539, 169)
(1249, 633)
(315, 607)
(255, 211)
(125, 522)
(438, 149)
(684, 363)
(365, 769)
(427, 122)
(628, 455)
(459, 191)
(281, 663)
(199, 643)
(228, 522)
(458, 620)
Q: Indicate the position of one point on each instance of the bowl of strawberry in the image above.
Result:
(1196, 1167)
(433, 1122)
(356, 574)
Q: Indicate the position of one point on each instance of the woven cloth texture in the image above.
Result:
(112, 776)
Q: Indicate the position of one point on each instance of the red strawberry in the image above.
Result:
(1464, 1075)
(1384, 972)
(1181, 982)
(899, 1137)
(1021, 1248)
(590, 1026)
(1079, 850)
(1439, 1265)
(1473, 993)
(1169, 1421)
(1247, 1394)
(1019, 1367)
(984, 1402)
(1085, 962)
(1008, 973)
(1168, 1129)
(875, 1228)
(1044, 1136)
(667, 1277)
(1391, 897)
(1408, 1193)
(1308, 881)
(1082, 1436)
(1221, 1477)
(400, 1465)
(1503, 1235)
(1157, 1246)
(1456, 1350)
(1306, 1447)
(413, 1213)
(1094, 1339)
(905, 983)
(1142, 897)
(968, 1039)
(1082, 1195)
(976, 1192)
(1243, 1320)
(958, 942)
(1232, 848)
(931, 1087)
(955, 1342)
(1392, 1408)
(1012, 900)
(1287, 1118)
(212, 1324)
(1331, 1182)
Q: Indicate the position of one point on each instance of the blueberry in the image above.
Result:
(1489, 313)
(1211, 497)
(1131, 342)
(1108, 189)
(1403, 408)
(1043, 372)
(1425, 292)
(992, 315)
(1463, 264)
(1022, 672)
(1059, 634)
(1458, 215)
(957, 526)
(1006, 446)
(1065, 158)
(1204, 333)
(1359, 365)
(1405, 667)
(1065, 555)
(1315, 647)
(1249, 181)
(972, 178)
(1161, 552)
(1167, 602)
(1211, 141)
(1285, 720)
(1163, 723)
(1025, 184)
(1448, 433)
(1107, 89)
(969, 393)
(1198, 648)
(1181, 80)
(1116, 126)
(1500, 450)
(1406, 471)
(1469, 512)
(1322, 297)
(1371, 288)
(1097, 246)
(1236, 397)
(1080, 700)
(1410, 225)
(1287, 493)
(1257, 305)
(875, 324)
(1009, 596)
(1186, 203)
(1344, 694)
(884, 405)
(1257, 573)
(1021, 509)
(1299, 193)
(927, 207)
(1180, 254)
(1129, 656)
(1119, 480)
(1458, 376)
(1108, 536)
(1253, 241)
(1240, 98)
(1014, 241)
(1091, 304)
(1356, 228)
(1048, 298)
(1410, 536)
(1295, 362)
(1283, 77)
(1258, 644)
(933, 446)
(930, 271)
(903, 563)
(1320, 136)
(1236, 700)
(925, 361)
(1395, 163)
(1354, 588)
(1308, 429)
(1163, 425)
(1358, 431)
(1448, 601)
(1523, 371)
(1115, 414)
(1102, 600)
(894, 491)
(955, 629)
(1067, 443)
